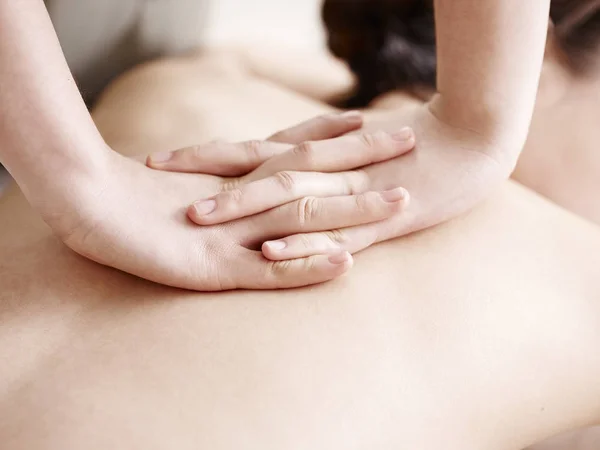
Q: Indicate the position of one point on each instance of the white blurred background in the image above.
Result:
(89, 28)
(296, 23)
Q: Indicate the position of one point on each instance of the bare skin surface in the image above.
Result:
(560, 159)
(480, 333)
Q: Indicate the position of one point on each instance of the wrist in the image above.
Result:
(501, 139)
(60, 192)
(56, 165)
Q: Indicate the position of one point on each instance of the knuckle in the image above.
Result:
(196, 151)
(368, 141)
(230, 184)
(234, 195)
(278, 269)
(286, 180)
(305, 240)
(308, 264)
(377, 144)
(308, 210)
(337, 237)
(365, 203)
(356, 181)
(253, 150)
(306, 151)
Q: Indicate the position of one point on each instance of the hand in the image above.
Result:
(232, 160)
(131, 217)
(448, 173)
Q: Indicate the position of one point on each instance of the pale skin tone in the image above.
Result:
(565, 102)
(490, 95)
(469, 135)
(445, 339)
(100, 204)
(107, 311)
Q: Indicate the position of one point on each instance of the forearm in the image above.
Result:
(46, 133)
(490, 55)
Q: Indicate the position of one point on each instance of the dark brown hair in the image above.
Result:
(390, 44)
(577, 29)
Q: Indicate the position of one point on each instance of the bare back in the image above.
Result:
(480, 333)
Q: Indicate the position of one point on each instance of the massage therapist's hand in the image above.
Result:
(448, 173)
(134, 218)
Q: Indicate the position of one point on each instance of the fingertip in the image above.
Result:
(158, 159)
(354, 119)
(395, 200)
(272, 250)
(195, 216)
(404, 135)
(192, 215)
(395, 195)
(329, 267)
(340, 262)
(405, 138)
(339, 258)
(405, 200)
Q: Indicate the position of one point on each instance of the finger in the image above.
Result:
(334, 155)
(321, 214)
(227, 159)
(268, 193)
(352, 240)
(218, 158)
(323, 127)
(264, 274)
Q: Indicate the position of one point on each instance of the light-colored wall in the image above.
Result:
(90, 29)
(103, 37)
(295, 23)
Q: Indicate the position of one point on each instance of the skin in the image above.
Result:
(565, 102)
(469, 135)
(562, 166)
(487, 78)
(100, 359)
(469, 138)
(103, 206)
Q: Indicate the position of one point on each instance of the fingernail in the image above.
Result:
(352, 116)
(205, 207)
(404, 135)
(276, 245)
(161, 157)
(394, 195)
(339, 258)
